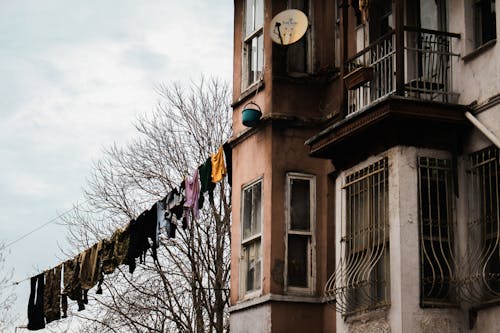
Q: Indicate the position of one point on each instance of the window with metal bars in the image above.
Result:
(366, 262)
(436, 232)
(484, 227)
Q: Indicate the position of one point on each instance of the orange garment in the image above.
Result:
(218, 166)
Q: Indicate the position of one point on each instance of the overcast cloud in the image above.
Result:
(73, 77)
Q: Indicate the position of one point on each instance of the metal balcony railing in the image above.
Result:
(371, 73)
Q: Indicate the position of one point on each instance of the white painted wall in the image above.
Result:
(479, 78)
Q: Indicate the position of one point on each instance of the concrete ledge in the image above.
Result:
(275, 298)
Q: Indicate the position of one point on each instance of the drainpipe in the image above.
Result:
(489, 134)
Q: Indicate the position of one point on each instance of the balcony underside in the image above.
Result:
(392, 121)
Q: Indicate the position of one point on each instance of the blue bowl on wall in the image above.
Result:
(251, 115)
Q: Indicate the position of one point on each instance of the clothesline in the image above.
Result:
(44, 225)
(87, 269)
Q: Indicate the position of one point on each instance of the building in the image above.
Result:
(366, 199)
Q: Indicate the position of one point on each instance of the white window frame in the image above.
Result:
(249, 37)
(311, 247)
(248, 241)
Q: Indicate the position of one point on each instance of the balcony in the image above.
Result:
(386, 106)
(428, 60)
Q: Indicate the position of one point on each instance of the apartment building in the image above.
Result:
(366, 197)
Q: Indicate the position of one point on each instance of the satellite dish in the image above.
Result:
(288, 26)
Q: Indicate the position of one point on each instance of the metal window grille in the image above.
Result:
(481, 276)
(436, 233)
(361, 279)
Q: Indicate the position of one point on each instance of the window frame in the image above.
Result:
(311, 244)
(249, 241)
(478, 18)
(256, 34)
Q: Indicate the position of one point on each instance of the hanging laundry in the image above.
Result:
(52, 294)
(89, 266)
(164, 218)
(228, 152)
(109, 264)
(141, 229)
(72, 287)
(152, 232)
(218, 166)
(36, 320)
(121, 246)
(205, 172)
(192, 194)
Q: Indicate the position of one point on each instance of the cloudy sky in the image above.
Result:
(73, 77)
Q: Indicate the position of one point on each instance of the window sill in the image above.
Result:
(247, 303)
(253, 88)
(479, 50)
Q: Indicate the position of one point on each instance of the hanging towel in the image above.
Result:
(218, 166)
(36, 320)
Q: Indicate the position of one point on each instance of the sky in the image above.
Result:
(74, 75)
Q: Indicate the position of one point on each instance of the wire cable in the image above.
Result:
(44, 225)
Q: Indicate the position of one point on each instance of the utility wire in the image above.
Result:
(44, 225)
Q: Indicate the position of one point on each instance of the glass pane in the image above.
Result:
(252, 256)
(259, 14)
(256, 208)
(249, 17)
(247, 212)
(297, 260)
(252, 61)
(300, 204)
(252, 210)
(260, 57)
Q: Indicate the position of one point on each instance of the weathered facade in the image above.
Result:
(366, 198)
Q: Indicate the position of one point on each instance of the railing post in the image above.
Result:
(400, 51)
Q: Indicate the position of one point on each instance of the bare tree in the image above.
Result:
(7, 296)
(186, 289)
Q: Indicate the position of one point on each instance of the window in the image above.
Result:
(301, 192)
(483, 226)
(253, 42)
(298, 52)
(251, 237)
(436, 232)
(484, 21)
(366, 261)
